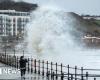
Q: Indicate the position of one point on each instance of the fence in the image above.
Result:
(50, 70)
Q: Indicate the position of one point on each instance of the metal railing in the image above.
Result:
(50, 70)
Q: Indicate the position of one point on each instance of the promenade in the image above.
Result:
(45, 70)
(13, 76)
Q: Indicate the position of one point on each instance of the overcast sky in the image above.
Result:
(78, 6)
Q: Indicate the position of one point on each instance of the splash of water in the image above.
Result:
(53, 35)
(49, 31)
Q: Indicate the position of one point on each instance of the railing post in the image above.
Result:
(17, 63)
(14, 52)
(61, 72)
(75, 72)
(1, 58)
(7, 60)
(35, 66)
(61, 68)
(5, 51)
(53, 75)
(31, 65)
(5, 57)
(43, 67)
(28, 65)
(47, 69)
(39, 67)
(11, 61)
(56, 71)
(86, 75)
(48, 75)
(62, 76)
(94, 78)
(68, 72)
(81, 73)
(71, 76)
(51, 69)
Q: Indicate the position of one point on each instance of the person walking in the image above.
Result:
(23, 66)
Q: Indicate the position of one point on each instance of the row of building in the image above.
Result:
(12, 23)
(91, 17)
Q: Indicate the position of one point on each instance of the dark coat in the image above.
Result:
(23, 63)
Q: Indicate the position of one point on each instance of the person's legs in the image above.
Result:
(24, 71)
(21, 71)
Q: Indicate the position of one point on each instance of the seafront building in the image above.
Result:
(12, 23)
(91, 17)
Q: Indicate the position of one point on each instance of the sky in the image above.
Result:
(78, 6)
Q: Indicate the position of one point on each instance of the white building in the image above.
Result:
(12, 23)
(91, 17)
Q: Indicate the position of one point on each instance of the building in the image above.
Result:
(12, 23)
(91, 17)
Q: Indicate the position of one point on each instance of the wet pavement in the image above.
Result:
(9, 73)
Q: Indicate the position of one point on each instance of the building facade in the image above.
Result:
(12, 23)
